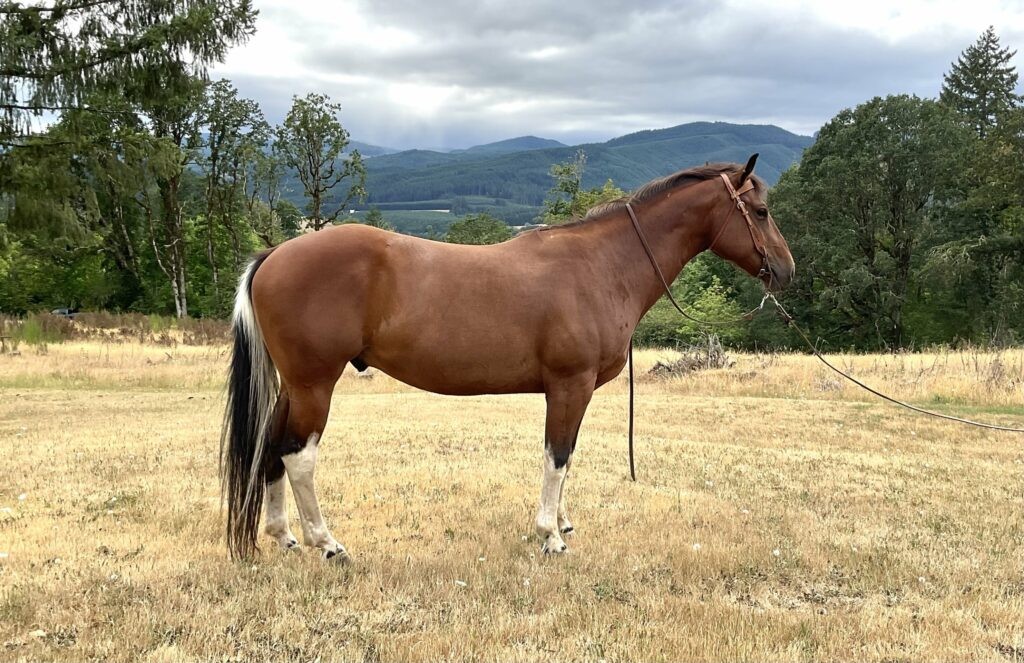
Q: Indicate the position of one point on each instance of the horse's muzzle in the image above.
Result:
(779, 276)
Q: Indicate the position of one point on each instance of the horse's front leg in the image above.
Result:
(567, 400)
(564, 524)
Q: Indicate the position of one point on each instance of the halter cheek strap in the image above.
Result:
(755, 233)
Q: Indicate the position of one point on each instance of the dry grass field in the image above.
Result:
(779, 515)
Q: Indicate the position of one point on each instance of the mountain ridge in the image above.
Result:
(512, 183)
(522, 176)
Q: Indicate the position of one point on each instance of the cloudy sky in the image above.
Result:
(454, 73)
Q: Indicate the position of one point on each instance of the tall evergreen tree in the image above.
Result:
(57, 55)
(981, 83)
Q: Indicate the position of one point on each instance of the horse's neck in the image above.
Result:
(675, 232)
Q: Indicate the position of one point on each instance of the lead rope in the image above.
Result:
(749, 315)
(632, 467)
(789, 321)
(970, 422)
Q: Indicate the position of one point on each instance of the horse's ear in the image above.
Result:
(749, 168)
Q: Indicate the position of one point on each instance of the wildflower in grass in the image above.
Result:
(696, 547)
(776, 552)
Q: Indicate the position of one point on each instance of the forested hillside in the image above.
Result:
(522, 176)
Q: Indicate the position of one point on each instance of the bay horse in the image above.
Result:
(550, 311)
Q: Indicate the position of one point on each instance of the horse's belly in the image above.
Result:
(458, 368)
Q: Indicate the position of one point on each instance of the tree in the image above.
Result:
(981, 83)
(123, 79)
(312, 141)
(980, 260)
(860, 209)
(979, 252)
(376, 219)
(61, 55)
(478, 229)
(567, 199)
(459, 206)
(232, 137)
(562, 201)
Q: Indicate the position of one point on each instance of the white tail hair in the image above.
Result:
(263, 386)
(252, 394)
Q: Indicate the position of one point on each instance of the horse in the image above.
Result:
(549, 311)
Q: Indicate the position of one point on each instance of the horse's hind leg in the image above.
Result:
(307, 416)
(274, 498)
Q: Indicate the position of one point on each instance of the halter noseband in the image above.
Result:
(755, 233)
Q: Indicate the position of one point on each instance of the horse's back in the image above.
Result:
(445, 317)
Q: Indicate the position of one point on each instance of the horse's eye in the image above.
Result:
(762, 213)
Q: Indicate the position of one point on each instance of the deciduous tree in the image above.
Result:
(478, 229)
(312, 141)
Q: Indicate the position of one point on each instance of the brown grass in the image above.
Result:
(780, 515)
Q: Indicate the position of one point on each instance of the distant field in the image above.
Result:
(779, 515)
(428, 223)
(423, 223)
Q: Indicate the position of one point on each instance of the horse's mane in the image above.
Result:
(682, 178)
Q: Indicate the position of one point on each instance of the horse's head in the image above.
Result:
(744, 232)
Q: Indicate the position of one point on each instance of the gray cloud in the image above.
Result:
(587, 71)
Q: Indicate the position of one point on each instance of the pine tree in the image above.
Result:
(980, 85)
(78, 55)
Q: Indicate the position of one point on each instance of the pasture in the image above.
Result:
(779, 515)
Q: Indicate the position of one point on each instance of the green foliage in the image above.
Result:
(311, 141)
(703, 294)
(62, 55)
(563, 201)
(567, 200)
(376, 219)
(860, 209)
(981, 85)
(478, 229)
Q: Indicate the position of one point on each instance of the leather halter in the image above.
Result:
(758, 244)
(756, 235)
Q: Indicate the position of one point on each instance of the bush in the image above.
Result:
(663, 326)
(43, 328)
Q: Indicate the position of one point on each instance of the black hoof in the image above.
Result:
(337, 556)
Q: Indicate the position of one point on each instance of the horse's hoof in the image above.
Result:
(554, 545)
(286, 541)
(337, 555)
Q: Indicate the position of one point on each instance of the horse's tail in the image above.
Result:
(252, 392)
